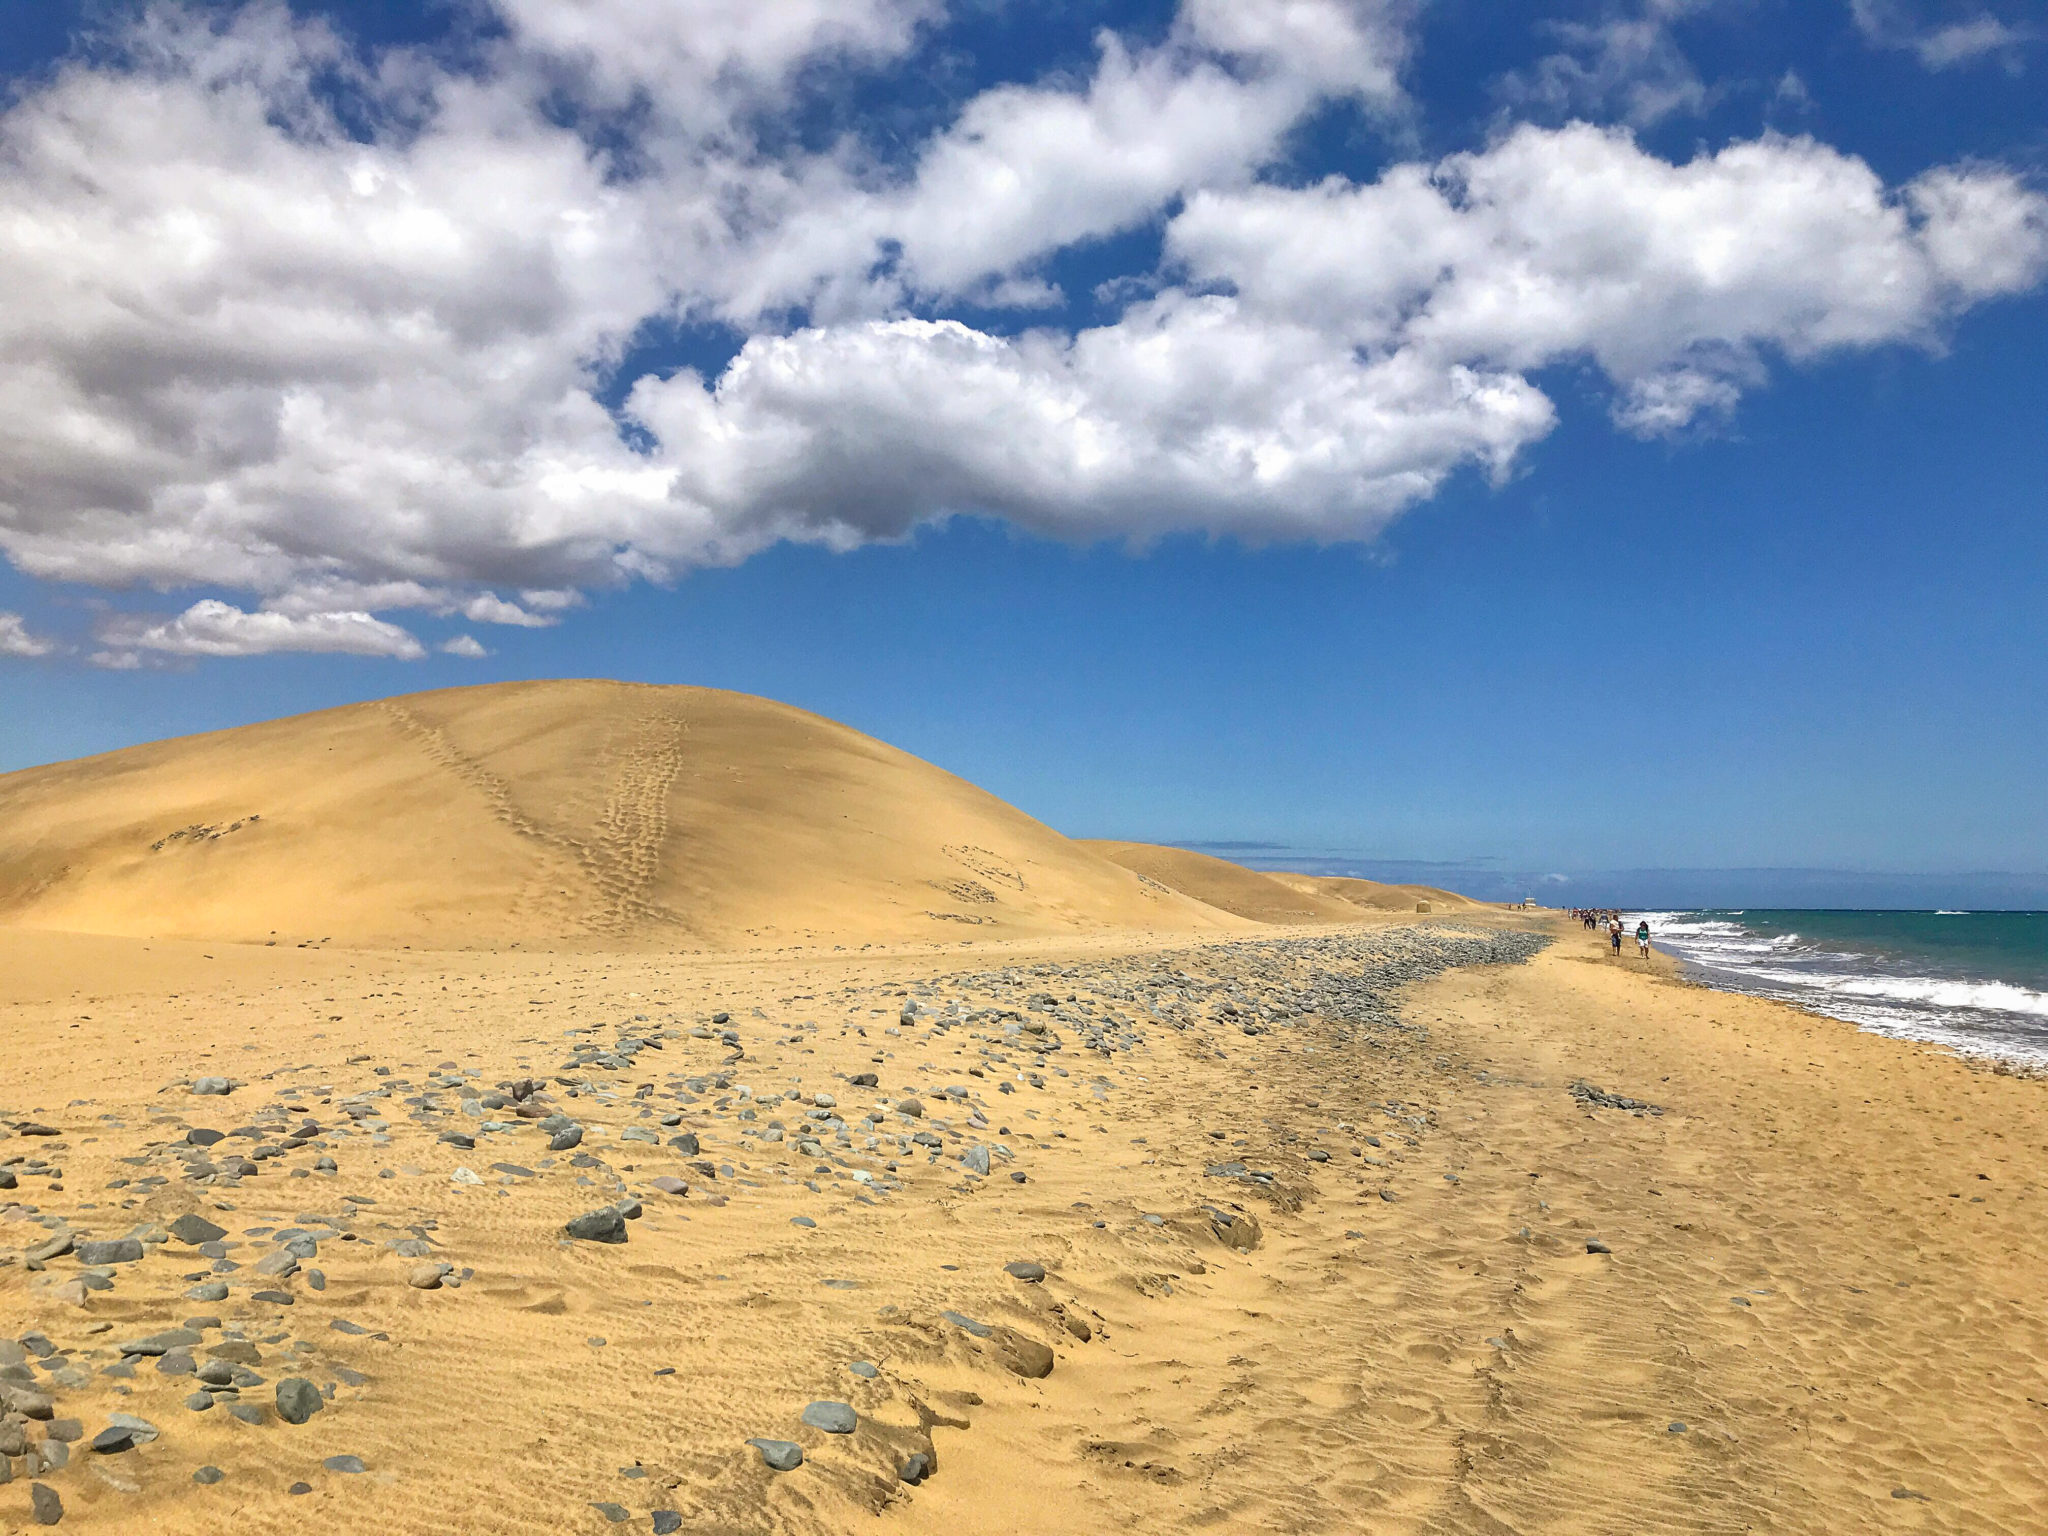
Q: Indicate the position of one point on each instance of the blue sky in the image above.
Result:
(1035, 402)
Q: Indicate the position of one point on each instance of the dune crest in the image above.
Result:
(577, 812)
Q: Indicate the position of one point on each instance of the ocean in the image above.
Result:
(1976, 981)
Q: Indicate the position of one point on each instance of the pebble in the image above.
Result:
(603, 1225)
(113, 1439)
(192, 1230)
(1594, 1245)
(833, 1418)
(345, 1464)
(211, 1087)
(208, 1475)
(864, 1369)
(801, 1221)
(161, 1343)
(979, 1330)
(117, 1250)
(427, 1276)
(1025, 1270)
(616, 1513)
(298, 1400)
(666, 1521)
(210, 1290)
(910, 1107)
(564, 1139)
(781, 1455)
(248, 1413)
(917, 1468)
(44, 1503)
(299, 1488)
(669, 1184)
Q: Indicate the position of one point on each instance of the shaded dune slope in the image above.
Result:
(611, 814)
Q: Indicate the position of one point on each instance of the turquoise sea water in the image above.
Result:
(1977, 981)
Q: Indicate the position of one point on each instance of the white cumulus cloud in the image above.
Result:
(335, 334)
(214, 628)
(16, 639)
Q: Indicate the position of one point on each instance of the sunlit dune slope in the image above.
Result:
(1230, 887)
(1373, 896)
(548, 812)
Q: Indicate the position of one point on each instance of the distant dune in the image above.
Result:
(1226, 886)
(1270, 896)
(549, 812)
(1374, 897)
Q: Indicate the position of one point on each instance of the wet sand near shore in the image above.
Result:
(1320, 1220)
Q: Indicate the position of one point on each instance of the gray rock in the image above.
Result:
(958, 1320)
(210, 1290)
(687, 1143)
(976, 1160)
(44, 1504)
(667, 1521)
(113, 1250)
(348, 1465)
(176, 1363)
(615, 1513)
(668, 1184)
(298, 1400)
(782, 1455)
(833, 1418)
(207, 1476)
(564, 1139)
(141, 1429)
(212, 1087)
(864, 1369)
(278, 1264)
(199, 1402)
(1594, 1245)
(427, 1276)
(1025, 1270)
(604, 1225)
(200, 1136)
(192, 1230)
(113, 1439)
(910, 1107)
(917, 1468)
(161, 1343)
(248, 1413)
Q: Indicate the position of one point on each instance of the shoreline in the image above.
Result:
(1368, 1299)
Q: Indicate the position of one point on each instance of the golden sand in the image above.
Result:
(1825, 1254)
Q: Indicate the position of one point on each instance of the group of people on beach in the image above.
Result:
(1605, 917)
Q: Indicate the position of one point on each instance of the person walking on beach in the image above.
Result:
(1614, 935)
(1643, 938)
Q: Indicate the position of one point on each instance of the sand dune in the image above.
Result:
(1227, 886)
(1275, 896)
(604, 813)
(1371, 896)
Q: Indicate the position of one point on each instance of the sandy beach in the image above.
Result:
(1341, 1273)
(761, 1130)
